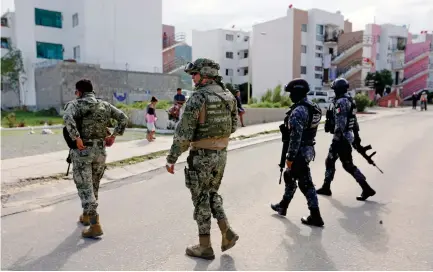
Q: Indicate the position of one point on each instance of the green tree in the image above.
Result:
(379, 80)
(230, 87)
(11, 69)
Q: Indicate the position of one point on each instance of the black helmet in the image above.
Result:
(340, 86)
(298, 89)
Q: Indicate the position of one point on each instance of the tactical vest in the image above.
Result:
(330, 117)
(91, 124)
(217, 121)
(314, 117)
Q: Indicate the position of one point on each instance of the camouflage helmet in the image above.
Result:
(203, 66)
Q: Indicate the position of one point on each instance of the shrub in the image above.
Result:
(11, 120)
(362, 102)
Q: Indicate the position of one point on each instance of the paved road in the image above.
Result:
(147, 220)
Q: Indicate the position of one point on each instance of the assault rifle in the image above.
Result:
(285, 137)
(363, 151)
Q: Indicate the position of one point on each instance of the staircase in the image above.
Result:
(418, 63)
(352, 46)
(173, 41)
(391, 100)
(174, 66)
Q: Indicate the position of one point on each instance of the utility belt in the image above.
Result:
(211, 144)
(94, 142)
(202, 152)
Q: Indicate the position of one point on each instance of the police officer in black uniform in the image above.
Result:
(341, 121)
(299, 133)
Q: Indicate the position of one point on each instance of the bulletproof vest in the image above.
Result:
(92, 121)
(330, 116)
(314, 117)
(215, 119)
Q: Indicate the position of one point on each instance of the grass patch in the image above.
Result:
(137, 159)
(21, 118)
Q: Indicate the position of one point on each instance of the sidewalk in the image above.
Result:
(14, 170)
(54, 163)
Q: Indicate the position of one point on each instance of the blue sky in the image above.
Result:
(186, 15)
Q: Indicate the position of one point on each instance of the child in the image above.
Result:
(151, 119)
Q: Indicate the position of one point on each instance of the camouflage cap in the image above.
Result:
(203, 66)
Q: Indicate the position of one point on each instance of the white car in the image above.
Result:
(321, 96)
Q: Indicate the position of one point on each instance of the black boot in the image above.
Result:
(367, 191)
(314, 219)
(281, 208)
(325, 190)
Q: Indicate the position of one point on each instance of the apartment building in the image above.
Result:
(298, 45)
(373, 49)
(230, 48)
(105, 32)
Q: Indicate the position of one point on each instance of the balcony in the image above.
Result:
(397, 65)
(331, 34)
(173, 41)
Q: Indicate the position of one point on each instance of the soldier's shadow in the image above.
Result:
(227, 263)
(305, 252)
(364, 222)
(57, 258)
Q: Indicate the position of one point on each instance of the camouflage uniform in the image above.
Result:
(209, 118)
(345, 123)
(89, 163)
(301, 123)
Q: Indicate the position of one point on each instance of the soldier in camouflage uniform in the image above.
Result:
(86, 120)
(209, 118)
(345, 135)
(301, 125)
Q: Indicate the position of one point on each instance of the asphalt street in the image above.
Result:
(147, 220)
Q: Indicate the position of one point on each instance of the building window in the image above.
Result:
(246, 38)
(49, 50)
(245, 71)
(229, 55)
(319, 29)
(319, 48)
(5, 43)
(303, 49)
(48, 18)
(75, 20)
(318, 76)
(77, 52)
(229, 72)
(5, 22)
(304, 27)
(303, 70)
(319, 55)
(318, 68)
(229, 37)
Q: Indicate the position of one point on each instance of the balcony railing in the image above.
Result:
(332, 37)
(365, 39)
(173, 40)
(397, 65)
(343, 70)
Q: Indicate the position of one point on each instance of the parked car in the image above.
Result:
(321, 96)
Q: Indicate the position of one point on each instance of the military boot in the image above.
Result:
(367, 191)
(281, 208)
(314, 219)
(203, 250)
(325, 190)
(84, 219)
(94, 230)
(229, 237)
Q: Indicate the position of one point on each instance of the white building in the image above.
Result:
(393, 40)
(106, 32)
(298, 45)
(230, 48)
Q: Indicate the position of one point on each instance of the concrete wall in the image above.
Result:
(56, 85)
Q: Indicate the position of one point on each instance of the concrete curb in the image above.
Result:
(24, 199)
